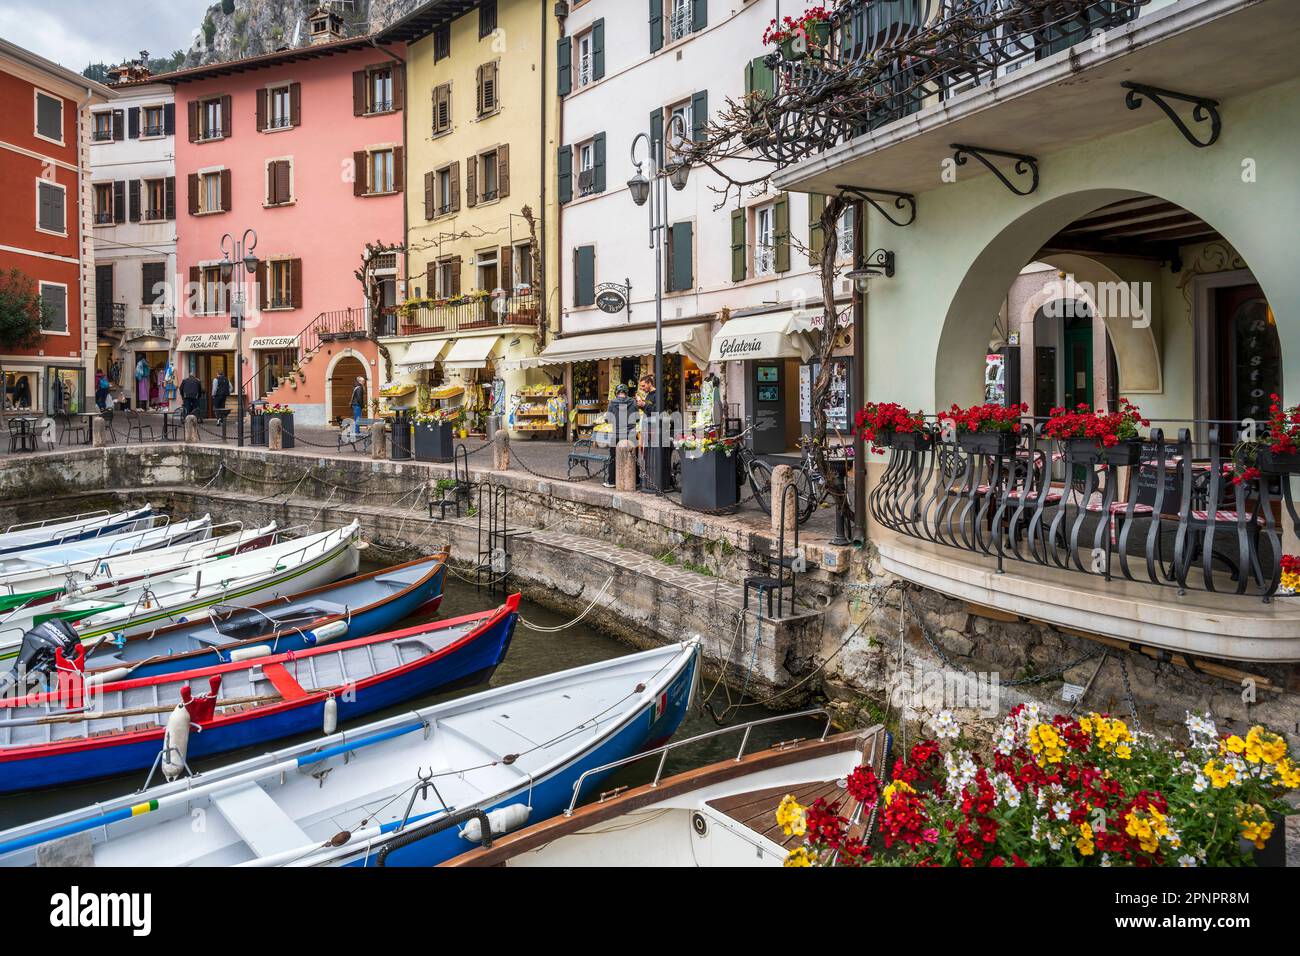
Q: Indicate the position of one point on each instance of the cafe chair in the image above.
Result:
(69, 428)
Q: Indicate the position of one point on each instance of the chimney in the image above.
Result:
(324, 25)
(132, 72)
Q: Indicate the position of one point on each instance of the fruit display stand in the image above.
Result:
(538, 410)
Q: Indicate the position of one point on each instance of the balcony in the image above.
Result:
(104, 218)
(462, 314)
(110, 316)
(101, 135)
(1150, 542)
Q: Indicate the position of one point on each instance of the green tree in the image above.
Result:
(22, 314)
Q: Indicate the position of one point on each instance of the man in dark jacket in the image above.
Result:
(358, 399)
(622, 415)
(220, 392)
(191, 389)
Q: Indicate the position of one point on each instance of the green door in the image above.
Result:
(1078, 366)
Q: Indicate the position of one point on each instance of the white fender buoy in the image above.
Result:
(326, 633)
(248, 653)
(502, 820)
(331, 722)
(176, 743)
(107, 677)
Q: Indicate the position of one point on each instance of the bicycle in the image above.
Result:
(810, 487)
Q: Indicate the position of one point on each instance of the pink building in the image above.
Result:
(304, 147)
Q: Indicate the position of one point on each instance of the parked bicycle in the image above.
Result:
(810, 487)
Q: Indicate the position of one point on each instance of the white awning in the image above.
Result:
(206, 342)
(688, 340)
(776, 335)
(470, 353)
(423, 354)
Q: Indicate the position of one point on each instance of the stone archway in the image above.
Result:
(339, 380)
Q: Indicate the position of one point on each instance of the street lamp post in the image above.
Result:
(237, 257)
(654, 188)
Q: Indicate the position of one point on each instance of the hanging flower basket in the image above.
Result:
(1094, 436)
(911, 441)
(882, 423)
(1279, 462)
(988, 443)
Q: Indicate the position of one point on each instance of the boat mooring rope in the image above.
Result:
(555, 630)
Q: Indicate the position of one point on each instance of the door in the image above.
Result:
(1245, 355)
(1078, 363)
(767, 384)
(343, 380)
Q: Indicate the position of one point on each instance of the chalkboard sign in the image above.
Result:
(1146, 482)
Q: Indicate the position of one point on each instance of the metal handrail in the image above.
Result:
(84, 516)
(666, 748)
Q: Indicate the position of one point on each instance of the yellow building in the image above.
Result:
(480, 152)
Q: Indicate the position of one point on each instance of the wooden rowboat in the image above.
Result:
(96, 524)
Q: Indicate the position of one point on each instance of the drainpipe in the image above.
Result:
(88, 363)
(543, 300)
(406, 185)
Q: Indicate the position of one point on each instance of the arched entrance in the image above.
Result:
(343, 377)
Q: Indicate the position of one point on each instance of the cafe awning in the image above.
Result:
(687, 340)
(774, 335)
(470, 353)
(423, 354)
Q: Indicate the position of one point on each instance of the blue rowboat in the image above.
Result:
(357, 607)
(387, 792)
(82, 731)
(97, 524)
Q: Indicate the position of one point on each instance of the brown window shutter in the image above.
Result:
(194, 276)
(359, 93)
(262, 293)
(295, 282)
(295, 104)
(399, 169)
(225, 190)
(430, 279)
(270, 183)
(471, 182)
(494, 88)
(119, 125)
(193, 110)
(428, 195)
(503, 170)
(506, 279)
(225, 116)
(478, 87)
(455, 186)
(282, 191)
(262, 97)
(359, 170)
(455, 277)
(169, 197)
(399, 86)
(194, 194)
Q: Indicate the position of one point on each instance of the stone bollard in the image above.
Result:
(191, 429)
(501, 450)
(99, 433)
(378, 441)
(274, 434)
(782, 478)
(625, 466)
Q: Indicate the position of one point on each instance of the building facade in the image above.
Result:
(480, 130)
(45, 224)
(133, 196)
(304, 147)
(734, 266)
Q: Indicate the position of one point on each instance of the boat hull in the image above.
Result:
(12, 542)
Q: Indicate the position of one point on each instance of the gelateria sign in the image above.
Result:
(207, 342)
(778, 335)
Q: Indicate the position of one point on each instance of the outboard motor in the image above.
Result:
(36, 656)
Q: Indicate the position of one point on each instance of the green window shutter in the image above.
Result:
(699, 115)
(656, 128)
(656, 25)
(816, 235)
(738, 259)
(584, 275)
(598, 163)
(598, 49)
(681, 276)
(699, 15)
(759, 78)
(566, 173)
(564, 66)
(782, 226)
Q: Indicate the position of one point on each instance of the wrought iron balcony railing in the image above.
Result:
(1164, 511)
(880, 60)
(110, 316)
(463, 313)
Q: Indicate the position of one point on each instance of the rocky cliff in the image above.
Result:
(232, 29)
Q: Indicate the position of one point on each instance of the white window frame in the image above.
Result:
(442, 181)
(211, 104)
(162, 121)
(67, 319)
(582, 63)
(94, 122)
(37, 93)
(58, 185)
(492, 259)
(271, 92)
(844, 236)
(390, 171)
(376, 84)
(585, 159)
(680, 21)
(521, 252)
(203, 175)
(765, 252)
(442, 279)
(144, 199)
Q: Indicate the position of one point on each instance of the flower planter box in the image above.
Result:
(399, 442)
(286, 428)
(1278, 463)
(1091, 451)
(988, 443)
(434, 442)
(709, 481)
(911, 441)
(819, 36)
(257, 429)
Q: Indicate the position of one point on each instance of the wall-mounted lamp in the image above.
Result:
(877, 264)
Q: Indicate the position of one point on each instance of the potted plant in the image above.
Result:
(435, 433)
(1276, 450)
(987, 429)
(886, 424)
(1290, 581)
(708, 470)
(812, 27)
(1096, 436)
(285, 414)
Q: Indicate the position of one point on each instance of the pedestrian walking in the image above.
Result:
(358, 400)
(191, 389)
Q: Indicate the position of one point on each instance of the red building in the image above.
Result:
(45, 222)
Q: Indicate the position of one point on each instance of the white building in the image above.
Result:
(133, 188)
(745, 263)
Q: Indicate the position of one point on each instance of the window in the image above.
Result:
(584, 76)
(54, 314)
(103, 203)
(586, 170)
(765, 240)
(844, 234)
(488, 100)
(50, 208)
(487, 18)
(679, 112)
(153, 282)
(381, 91)
(376, 89)
(103, 128)
(279, 182)
(49, 117)
(445, 278)
(378, 171)
(211, 114)
(152, 122)
(277, 112)
(487, 274)
(280, 278)
(441, 42)
(211, 291)
(446, 197)
(210, 192)
(381, 171)
(679, 24)
(155, 199)
(441, 109)
(523, 264)
(489, 185)
(584, 276)
(683, 17)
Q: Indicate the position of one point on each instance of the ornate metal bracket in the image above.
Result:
(1024, 165)
(901, 201)
(1205, 110)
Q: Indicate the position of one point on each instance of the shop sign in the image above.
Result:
(207, 342)
(741, 347)
(612, 297)
(274, 342)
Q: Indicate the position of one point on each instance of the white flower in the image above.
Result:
(944, 725)
(1186, 860)
(1200, 783)
(1004, 741)
(1105, 859)
(1061, 810)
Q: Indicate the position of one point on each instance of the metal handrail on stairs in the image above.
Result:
(332, 326)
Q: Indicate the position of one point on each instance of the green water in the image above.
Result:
(531, 654)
